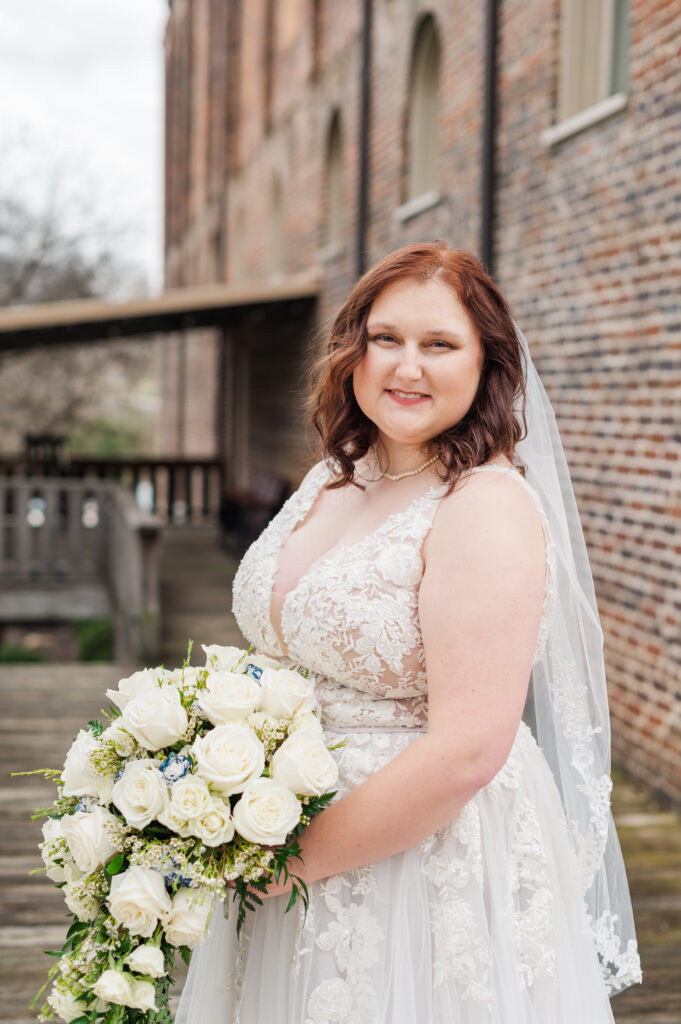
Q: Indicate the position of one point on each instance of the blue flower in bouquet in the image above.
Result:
(172, 875)
(253, 670)
(175, 767)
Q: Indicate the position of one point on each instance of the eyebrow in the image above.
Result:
(436, 333)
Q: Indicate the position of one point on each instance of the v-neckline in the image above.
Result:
(340, 546)
(336, 549)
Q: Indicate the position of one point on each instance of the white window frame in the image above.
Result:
(576, 33)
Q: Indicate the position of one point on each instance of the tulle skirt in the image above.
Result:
(483, 921)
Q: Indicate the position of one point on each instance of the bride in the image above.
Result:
(431, 573)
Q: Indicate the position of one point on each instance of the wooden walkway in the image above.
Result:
(44, 706)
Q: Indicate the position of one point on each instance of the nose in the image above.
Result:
(409, 365)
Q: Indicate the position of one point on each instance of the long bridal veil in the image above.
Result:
(569, 695)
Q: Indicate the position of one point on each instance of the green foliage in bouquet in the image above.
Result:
(194, 787)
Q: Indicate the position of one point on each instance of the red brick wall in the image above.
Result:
(589, 253)
(588, 250)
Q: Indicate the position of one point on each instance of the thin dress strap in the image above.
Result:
(550, 587)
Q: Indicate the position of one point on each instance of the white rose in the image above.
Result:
(72, 872)
(285, 693)
(218, 657)
(266, 812)
(156, 719)
(115, 986)
(52, 830)
(141, 793)
(147, 959)
(66, 1005)
(78, 775)
(52, 849)
(190, 798)
(306, 720)
(185, 678)
(79, 902)
(229, 697)
(215, 826)
(93, 837)
(137, 900)
(123, 742)
(304, 764)
(229, 757)
(143, 995)
(186, 923)
(135, 685)
(175, 822)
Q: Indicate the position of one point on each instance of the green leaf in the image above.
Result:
(95, 727)
(115, 865)
(186, 954)
(292, 899)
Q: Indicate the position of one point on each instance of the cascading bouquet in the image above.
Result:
(202, 777)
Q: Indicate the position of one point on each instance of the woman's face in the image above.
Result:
(422, 365)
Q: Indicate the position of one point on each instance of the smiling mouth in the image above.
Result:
(413, 395)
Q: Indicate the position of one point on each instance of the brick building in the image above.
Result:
(544, 136)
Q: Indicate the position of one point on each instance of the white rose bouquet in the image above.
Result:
(195, 790)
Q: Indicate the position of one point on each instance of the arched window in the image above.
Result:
(423, 112)
(333, 179)
(276, 225)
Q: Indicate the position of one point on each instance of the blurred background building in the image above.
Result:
(309, 137)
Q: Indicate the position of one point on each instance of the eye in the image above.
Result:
(382, 337)
(443, 344)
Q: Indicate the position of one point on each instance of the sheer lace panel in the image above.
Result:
(352, 618)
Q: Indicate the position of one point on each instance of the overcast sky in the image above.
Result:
(85, 77)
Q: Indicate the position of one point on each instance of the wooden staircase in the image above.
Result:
(196, 593)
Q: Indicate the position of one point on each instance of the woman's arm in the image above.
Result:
(479, 606)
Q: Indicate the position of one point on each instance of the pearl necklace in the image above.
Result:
(411, 472)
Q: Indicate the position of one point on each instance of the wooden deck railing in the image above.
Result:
(77, 548)
(178, 490)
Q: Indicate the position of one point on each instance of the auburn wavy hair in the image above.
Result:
(490, 426)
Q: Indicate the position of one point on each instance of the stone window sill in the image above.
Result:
(417, 205)
(584, 119)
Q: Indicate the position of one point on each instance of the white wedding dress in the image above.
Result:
(483, 921)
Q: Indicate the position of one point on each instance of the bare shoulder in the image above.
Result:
(489, 513)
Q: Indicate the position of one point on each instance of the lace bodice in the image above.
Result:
(352, 618)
